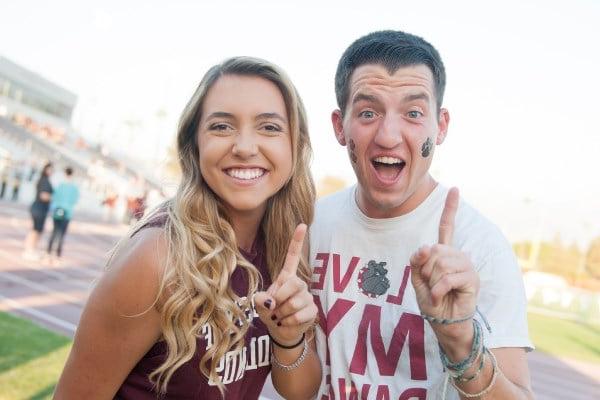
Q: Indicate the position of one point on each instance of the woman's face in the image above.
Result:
(244, 142)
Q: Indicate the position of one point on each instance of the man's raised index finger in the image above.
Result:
(448, 215)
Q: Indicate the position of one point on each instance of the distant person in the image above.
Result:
(32, 171)
(109, 203)
(17, 180)
(39, 211)
(64, 199)
(3, 180)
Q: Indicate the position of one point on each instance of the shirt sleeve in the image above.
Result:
(502, 299)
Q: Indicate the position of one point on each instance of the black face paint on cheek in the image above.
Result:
(352, 145)
(426, 148)
(353, 157)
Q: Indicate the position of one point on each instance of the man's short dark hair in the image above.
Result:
(392, 50)
(69, 171)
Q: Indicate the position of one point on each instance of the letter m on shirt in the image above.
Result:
(410, 326)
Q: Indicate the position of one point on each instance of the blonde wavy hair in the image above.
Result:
(202, 251)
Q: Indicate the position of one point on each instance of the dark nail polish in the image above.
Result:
(268, 303)
(273, 317)
(279, 323)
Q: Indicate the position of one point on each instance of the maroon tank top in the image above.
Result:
(243, 373)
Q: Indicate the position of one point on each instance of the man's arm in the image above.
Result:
(512, 371)
(447, 286)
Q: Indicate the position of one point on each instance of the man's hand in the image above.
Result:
(287, 307)
(444, 279)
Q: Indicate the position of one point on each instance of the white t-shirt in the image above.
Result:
(379, 346)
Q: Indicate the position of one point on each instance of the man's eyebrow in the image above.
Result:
(271, 115)
(416, 96)
(364, 97)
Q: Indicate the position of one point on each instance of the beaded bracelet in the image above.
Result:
(457, 369)
(486, 390)
(479, 369)
(293, 365)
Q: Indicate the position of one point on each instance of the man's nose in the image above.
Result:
(389, 134)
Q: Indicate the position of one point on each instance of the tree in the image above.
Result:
(592, 258)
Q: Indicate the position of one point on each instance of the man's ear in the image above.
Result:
(443, 122)
(338, 126)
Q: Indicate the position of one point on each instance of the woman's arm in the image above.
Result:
(109, 339)
(289, 312)
(301, 382)
(45, 196)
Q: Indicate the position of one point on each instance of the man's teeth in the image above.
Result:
(388, 160)
(245, 173)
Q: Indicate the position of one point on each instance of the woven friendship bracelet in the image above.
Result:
(444, 321)
(479, 369)
(488, 388)
(448, 321)
(457, 369)
(293, 365)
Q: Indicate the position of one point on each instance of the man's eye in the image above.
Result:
(367, 114)
(415, 114)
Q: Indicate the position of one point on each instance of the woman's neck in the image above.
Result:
(245, 225)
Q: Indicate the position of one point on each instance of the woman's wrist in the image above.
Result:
(287, 343)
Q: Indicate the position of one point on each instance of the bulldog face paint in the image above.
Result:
(426, 148)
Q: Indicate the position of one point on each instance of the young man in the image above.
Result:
(399, 264)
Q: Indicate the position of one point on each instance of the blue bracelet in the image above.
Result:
(457, 369)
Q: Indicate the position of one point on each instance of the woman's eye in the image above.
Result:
(272, 127)
(219, 127)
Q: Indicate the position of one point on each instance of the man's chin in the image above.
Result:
(382, 205)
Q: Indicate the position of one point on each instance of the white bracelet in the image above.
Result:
(495, 373)
(293, 365)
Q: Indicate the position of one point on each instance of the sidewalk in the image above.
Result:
(54, 296)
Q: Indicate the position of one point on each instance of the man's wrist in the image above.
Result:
(456, 340)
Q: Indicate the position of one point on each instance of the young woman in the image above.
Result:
(39, 211)
(204, 287)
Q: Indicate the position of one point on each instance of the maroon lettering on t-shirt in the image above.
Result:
(320, 270)
(334, 315)
(409, 326)
(397, 299)
(350, 391)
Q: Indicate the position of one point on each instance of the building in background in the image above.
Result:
(35, 103)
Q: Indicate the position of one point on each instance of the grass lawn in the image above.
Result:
(565, 338)
(31, 359)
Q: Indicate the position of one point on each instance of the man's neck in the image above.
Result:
(424, 189)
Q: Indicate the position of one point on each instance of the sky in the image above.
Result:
(523, 82)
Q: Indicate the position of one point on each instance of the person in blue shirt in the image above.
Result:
(64, 199)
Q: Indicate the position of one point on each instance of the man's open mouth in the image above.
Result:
(388, 168)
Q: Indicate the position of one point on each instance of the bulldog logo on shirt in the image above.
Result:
(372, 280)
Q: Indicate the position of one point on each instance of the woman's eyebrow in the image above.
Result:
(271, 115)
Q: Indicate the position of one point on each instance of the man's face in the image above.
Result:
(390, 128)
